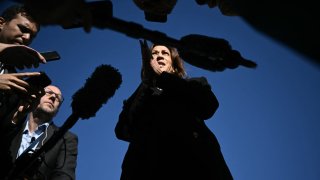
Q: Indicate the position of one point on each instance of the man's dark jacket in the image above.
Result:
(59, 163)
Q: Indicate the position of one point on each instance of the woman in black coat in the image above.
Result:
(163, 121)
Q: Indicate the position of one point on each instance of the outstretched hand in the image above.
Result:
(20, 56)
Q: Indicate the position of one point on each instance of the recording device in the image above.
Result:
(40, 81)
(51, 55)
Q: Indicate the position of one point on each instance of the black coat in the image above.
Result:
(167, 134)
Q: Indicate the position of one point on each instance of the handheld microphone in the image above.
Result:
(101, 86)
(32, 140)
(213, 54)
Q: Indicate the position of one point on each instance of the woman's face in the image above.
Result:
(161, 59)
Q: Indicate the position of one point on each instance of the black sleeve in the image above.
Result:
(194, 92)
(9, 104)
(122, 129)
(123, 126)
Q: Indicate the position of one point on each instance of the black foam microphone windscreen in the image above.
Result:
(214, 54)
(99, 87)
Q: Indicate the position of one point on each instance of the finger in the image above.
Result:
(25, 74)
(18, 85)
(41, 58)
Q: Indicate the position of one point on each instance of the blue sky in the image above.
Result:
(268, 120)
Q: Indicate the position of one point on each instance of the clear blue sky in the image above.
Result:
(268, 120)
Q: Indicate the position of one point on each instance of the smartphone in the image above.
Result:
(40, 81)
(50, 55)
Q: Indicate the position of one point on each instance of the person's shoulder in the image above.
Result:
(200, 79)
(71, 135)
(68, 134)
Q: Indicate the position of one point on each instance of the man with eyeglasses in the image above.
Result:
(60, 161)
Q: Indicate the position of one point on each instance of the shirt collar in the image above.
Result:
(41, 128)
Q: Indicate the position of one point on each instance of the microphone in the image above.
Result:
(32, 140)
(213, 54)
(100, 87)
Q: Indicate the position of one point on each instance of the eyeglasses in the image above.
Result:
(49, 92)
